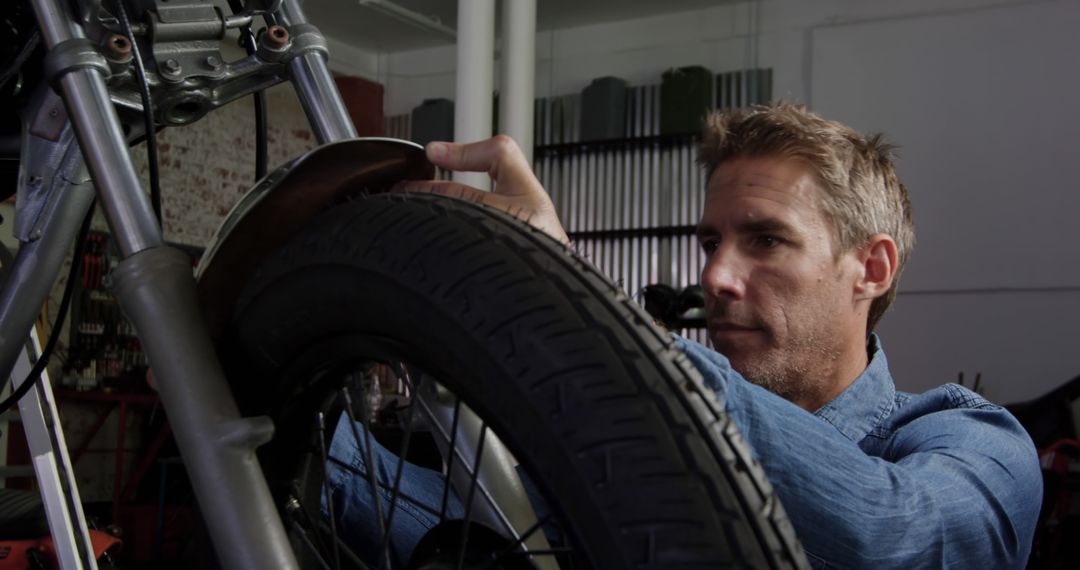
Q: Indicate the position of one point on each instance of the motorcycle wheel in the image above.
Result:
(635, 458)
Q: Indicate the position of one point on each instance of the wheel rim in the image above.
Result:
(340, 383)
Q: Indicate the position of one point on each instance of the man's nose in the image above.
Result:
(724, 274)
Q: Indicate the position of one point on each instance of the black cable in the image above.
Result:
(247, 40)
(148, 111)
(54, 335)
(261, 158)
(24, 54)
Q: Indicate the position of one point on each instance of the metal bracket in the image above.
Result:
(73, 54)
(189, 75)
(48, 141)
(279, 44)
(186, 39)
(305, 38)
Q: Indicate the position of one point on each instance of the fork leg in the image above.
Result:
(315, 87)
(156, 289)
(157, 292)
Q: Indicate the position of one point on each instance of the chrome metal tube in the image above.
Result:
(126, 205)
(97, 127)
(56, 22)
(291, 13)
(320, 98)
(315, 87)
(156, 290)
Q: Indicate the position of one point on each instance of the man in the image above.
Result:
(806, 229)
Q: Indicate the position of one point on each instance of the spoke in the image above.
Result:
(350, 556)
(372, 468)
(326, 485)
(299, 530)
(450, 459)
(384, 524)
(521, 540)
(472, 491)
(301, 521)
(402, 452)
(299, 509)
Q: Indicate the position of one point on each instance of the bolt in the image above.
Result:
(277, 37)
(213, 62)
(171, 67)
(118, 48)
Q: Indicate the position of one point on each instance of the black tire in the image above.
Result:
(612, 423)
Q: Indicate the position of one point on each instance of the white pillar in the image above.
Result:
(475, 60)
(518, 72)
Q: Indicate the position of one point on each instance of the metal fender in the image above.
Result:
(285, 201)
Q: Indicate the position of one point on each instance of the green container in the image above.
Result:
(686, 96)
(433, 120)
(603, 109)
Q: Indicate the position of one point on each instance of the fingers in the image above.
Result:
(473, 157)
(517, 190)
(499, 156)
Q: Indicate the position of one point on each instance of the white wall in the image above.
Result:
(980, 94)
(640, 50)
(983, 103)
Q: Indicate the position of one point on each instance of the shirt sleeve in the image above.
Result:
(954, 488)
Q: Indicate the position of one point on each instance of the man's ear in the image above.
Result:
(879, 263)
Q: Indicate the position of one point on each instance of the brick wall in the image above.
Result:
(207, 166)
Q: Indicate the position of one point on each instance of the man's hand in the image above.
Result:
(517, 191)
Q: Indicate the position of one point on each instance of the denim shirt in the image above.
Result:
(878, 478)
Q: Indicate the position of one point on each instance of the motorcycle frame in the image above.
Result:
(153, 282)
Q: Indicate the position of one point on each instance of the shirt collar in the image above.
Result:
(866, 403)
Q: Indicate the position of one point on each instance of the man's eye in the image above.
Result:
(766, 241)
(709, 245)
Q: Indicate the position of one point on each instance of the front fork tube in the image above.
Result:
(156, 289)
(315, 87)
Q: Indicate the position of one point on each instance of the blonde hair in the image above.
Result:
(862, 194)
